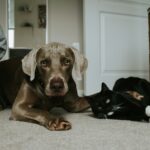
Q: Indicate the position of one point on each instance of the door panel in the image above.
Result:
(116, 41)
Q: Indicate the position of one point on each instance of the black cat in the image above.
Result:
(129, 100)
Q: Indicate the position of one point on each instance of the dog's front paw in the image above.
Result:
(58, 124)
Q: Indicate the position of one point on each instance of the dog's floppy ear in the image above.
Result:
(29, 63)
(79, 66)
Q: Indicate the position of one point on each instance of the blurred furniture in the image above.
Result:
(18, 52)
(149, 37)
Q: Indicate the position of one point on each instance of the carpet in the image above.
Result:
(87, 133)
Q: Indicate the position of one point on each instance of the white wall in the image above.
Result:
(65, 21)
(28, 36)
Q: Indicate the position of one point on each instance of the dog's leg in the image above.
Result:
(77, 105)
(41, 117)
(23, 110)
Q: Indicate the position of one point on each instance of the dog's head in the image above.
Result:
(55, 63)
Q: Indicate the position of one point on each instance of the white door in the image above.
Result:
(115, 41)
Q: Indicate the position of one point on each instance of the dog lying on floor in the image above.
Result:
(129, 100)
(46, 78)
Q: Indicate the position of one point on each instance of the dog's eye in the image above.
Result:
(44, 63)
(66, 62)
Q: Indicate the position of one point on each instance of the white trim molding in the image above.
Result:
(144, 2)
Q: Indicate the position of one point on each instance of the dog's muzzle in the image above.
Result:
(56, 85)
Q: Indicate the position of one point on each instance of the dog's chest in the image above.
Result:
(50, 102)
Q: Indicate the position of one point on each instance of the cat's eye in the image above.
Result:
(99, 108)
(107, 101)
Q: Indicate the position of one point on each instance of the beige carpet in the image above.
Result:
(87, 133)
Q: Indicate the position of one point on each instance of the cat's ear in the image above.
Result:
(104, 87)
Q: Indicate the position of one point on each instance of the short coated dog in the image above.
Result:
(129, 100)
(45, 78)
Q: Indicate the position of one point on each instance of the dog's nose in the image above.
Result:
(56, 84)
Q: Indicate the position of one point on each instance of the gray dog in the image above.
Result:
(46, 79)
